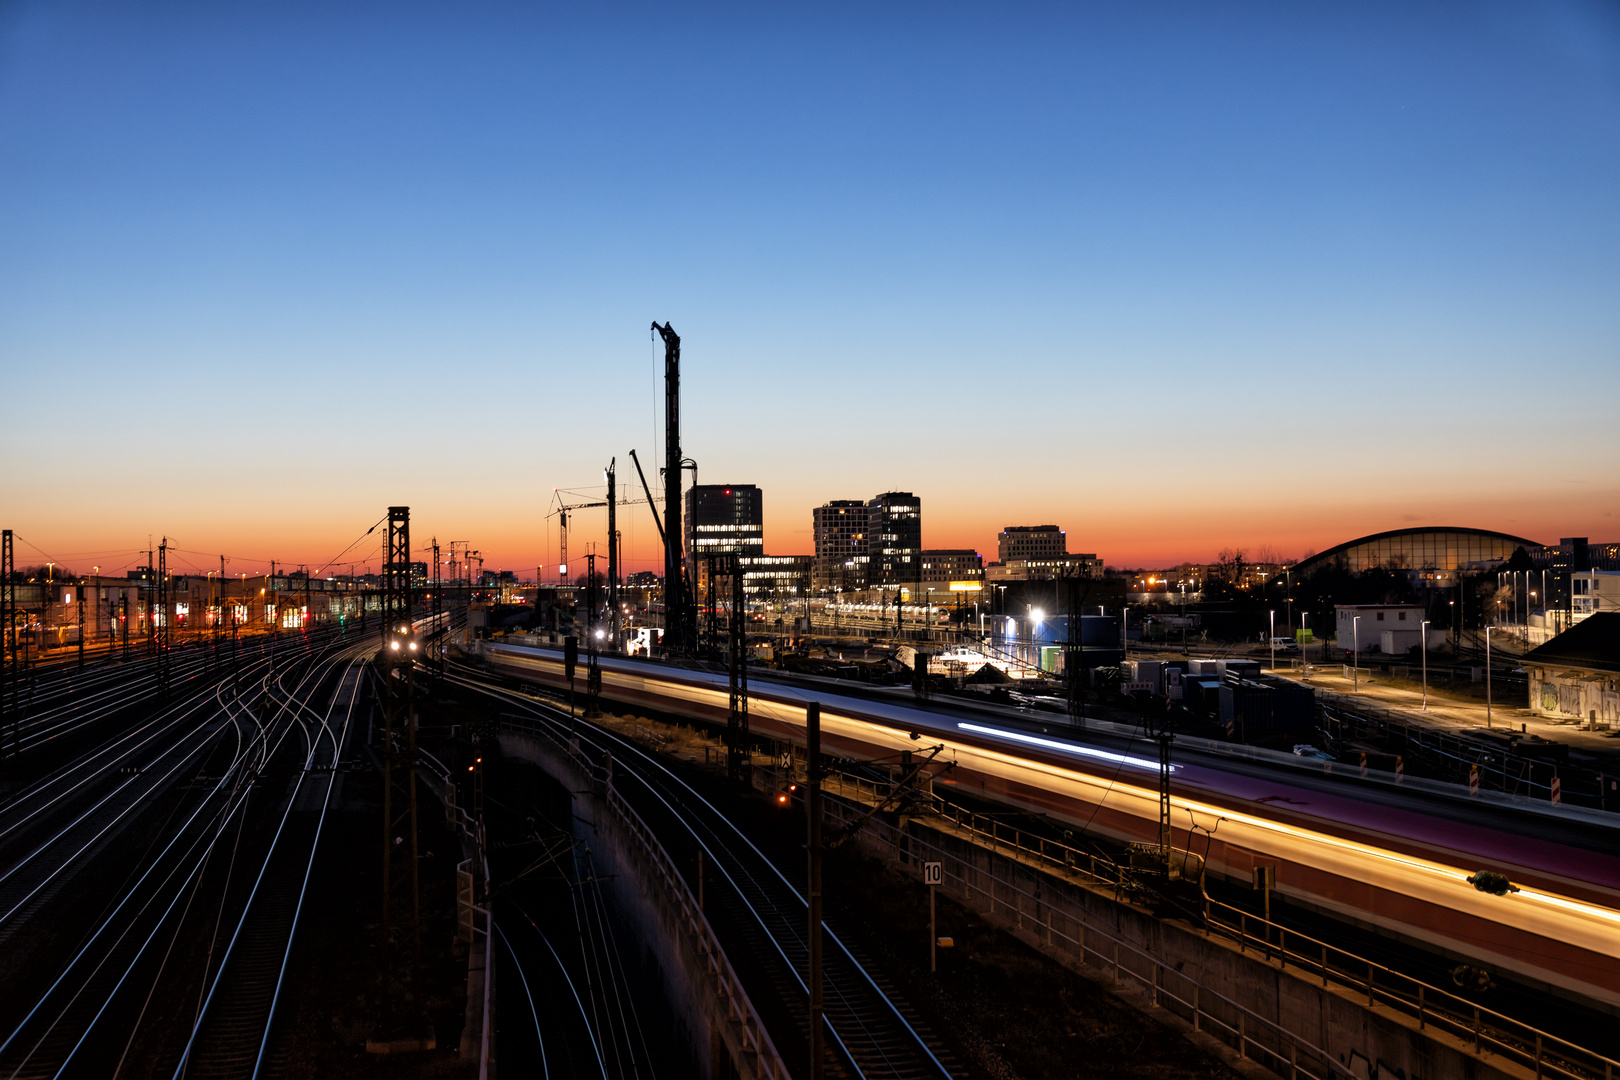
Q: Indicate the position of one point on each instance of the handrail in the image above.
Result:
(755, 1039)
(1419, 1000)
(1248, 1025)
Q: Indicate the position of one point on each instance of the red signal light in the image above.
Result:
(782, 798)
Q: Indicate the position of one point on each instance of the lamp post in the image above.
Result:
(1488, 676)
(1355, 654)
(1272, 637)
(1288, 597)
(1423, 643)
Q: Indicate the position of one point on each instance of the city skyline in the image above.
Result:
(1172, 278)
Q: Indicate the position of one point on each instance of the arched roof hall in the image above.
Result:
(1425, 548)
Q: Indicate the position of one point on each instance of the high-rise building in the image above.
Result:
(841, 558)
(1031, 542)
(894, 539)
(720, 519)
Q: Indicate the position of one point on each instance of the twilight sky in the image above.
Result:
(1174, 276)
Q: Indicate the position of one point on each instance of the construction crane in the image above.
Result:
(565, 502)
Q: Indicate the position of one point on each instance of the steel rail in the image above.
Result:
(475, 681)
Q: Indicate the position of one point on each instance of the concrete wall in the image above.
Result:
(1285, 1017)
(1574, 693)
(714, 1035)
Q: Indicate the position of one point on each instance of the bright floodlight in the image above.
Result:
(1037, 614)
(600, 634)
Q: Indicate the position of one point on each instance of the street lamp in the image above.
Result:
(1488, 676)
(1355, 654)
(1423, 643)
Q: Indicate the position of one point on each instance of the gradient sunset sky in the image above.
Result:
(1176, 277)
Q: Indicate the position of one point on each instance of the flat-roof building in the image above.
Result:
(840, 538)
(1592, 591)
(1018, 543)
(722, 519)
(944, 567)
(894, 538)
(1391, 629)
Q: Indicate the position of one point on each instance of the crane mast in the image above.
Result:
(677, 633)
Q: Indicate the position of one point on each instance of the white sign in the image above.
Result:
(787, 761)
(933, 873)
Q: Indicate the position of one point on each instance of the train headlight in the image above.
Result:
(394, 645)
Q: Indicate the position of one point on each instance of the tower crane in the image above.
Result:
(565, 502)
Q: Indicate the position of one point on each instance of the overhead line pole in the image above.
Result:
(812, 776)
(10, 701)
(613, 554)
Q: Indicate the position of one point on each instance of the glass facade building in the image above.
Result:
(723, 518)
(894, 538)
(1445, 549)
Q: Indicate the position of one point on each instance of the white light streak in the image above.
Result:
(1066, 748)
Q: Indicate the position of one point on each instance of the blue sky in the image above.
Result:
(1177, 276)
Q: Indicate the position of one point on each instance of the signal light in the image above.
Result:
(782, 798)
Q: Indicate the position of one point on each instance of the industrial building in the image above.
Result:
(1390, 629)
(1576, 675)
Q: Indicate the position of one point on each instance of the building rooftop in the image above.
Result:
(1594, 642)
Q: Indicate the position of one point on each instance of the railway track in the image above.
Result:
(181, 964)
(760, 913)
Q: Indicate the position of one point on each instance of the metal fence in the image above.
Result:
(1488, 1032)
(1499, 770)
(1239, 1027)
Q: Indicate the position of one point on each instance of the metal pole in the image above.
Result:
(1488, 676)
(1355, 653)
(1423, 643)
(812, 732)
(933, 932)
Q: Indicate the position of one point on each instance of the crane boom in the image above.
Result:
(651, 503)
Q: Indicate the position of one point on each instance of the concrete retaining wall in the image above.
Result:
(1282, 1018)
(697, 981)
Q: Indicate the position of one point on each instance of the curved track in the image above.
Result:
(760, 914)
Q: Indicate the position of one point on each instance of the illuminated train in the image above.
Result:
(1399, 870)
